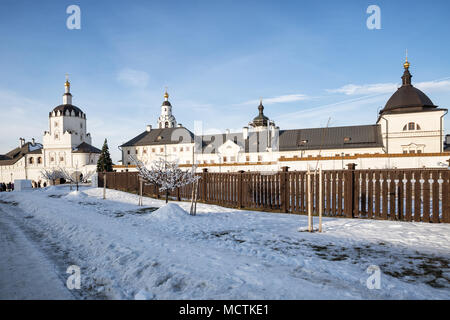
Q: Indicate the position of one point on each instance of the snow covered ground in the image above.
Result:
(131, 252)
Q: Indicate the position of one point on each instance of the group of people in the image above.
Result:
(38, 184)
(6, 186)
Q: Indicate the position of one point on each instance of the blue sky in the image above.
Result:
(308, 60)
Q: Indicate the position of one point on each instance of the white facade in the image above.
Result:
(66, 144)
(409, 134)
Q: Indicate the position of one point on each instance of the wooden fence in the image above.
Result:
(407, 195)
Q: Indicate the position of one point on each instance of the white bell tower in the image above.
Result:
(166, 119)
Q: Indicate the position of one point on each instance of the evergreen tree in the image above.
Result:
(104, 161)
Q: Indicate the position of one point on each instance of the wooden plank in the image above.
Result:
(392, 195)
(408, 196)
(400, 195)
(435, 196)
(340, 195)
(327, 181)
(384, 195)
(356, 190)
(417, 196)
(426, 196)
(446, 197)
(363, 199)
(370, 178)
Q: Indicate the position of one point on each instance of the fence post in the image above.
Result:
(104, 184)
(240, 189)
(204, 183)
(446, 196)
(349, 199)
(284, 189)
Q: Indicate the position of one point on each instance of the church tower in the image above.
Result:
(166, 119)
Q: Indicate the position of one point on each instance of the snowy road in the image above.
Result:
(25, 272)
(128, 252)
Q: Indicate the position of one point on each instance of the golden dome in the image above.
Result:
(67, 84)
(406, 64)
(166, 95)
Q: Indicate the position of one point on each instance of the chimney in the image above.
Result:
(149, 128)
(22, 142)
(245, 133)
(32, 141)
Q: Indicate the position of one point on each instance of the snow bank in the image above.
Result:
(170, 211)
(76, 194)
(225, 253)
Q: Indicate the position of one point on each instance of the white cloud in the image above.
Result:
(354, 89)
(443, 85)
(280, 99)
(133, 78)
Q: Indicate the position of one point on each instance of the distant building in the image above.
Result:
(66, 144)
(409, 133)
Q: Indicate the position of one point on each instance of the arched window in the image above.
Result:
(411, 126)
(31, 160)
(39, 160)
(167, 124)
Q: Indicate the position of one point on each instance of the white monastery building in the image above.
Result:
(65, 145)
(409, 133)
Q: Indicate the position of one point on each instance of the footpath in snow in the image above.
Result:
(131, 252)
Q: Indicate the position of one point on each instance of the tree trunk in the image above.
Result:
(167, 196)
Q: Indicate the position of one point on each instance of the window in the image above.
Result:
(418, 127)
(128, 151)
(405, 151)
(81, 126)
(31, 160)
(347, 139)
(144, 151)
(167, 124)
(405, 127)
(56, 124)
(52, 159)
(412, 151)
(411, 126)
(419, 151)
(233, 159)
(181, 149)
(161, 150)
(153, 150)
(259, 158)
(61, 159)
(224, 159)
(247, 158)
(39, 160)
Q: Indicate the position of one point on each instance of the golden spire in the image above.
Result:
(67, 83)
(166, 95)
(406, 64)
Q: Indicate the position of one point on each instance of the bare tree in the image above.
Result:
(51, 174)
(166, 175)
(76, 177)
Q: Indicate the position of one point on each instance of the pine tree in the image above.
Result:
(104, 161)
